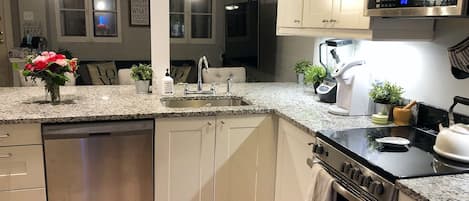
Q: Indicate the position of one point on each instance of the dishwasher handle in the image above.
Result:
(96, 129)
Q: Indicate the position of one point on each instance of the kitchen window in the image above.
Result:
(192, 21)
(88, 20)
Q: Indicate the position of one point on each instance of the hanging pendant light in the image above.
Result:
(232, 6)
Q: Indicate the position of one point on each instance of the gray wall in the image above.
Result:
(135, 41)
(290, 50)
(422, 68)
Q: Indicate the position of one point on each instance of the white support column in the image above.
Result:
(160, 56)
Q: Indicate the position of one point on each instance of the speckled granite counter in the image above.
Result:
(442, 188)
(288, 100)
(93, 103)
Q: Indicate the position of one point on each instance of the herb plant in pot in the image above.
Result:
(300, 68)
(385, 95)
(142, 74)
(314, 76)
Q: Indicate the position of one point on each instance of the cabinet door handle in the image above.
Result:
(9, 155)
(6, 135)
(296, 21)
(333, 21)
(222, 122)
(325, 21)
(209, 123)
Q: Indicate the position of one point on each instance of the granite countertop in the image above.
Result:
(288, 100)
(440, 188)
(98, 103)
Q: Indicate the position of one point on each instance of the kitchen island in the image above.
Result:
(287, 100)
(100, 103)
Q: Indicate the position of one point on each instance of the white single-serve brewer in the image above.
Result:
(354, 82)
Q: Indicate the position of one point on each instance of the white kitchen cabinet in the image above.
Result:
(290, 13)
(337, 14)
(349, 14)
(184, 157)
(20, 134)
(245, 157)
(293, 173)
(404, 197)
(317, 13)
(345, 19)
(222, 159)
(21, 163)
(24, 195)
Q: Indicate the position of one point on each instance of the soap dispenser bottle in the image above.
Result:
(168, 84)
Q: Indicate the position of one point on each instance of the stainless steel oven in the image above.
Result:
(343, 191)
(353, 181)
(417, 8)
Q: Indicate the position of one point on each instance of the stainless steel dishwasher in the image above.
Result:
(102, 161)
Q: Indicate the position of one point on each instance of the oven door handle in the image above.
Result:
(339, 189)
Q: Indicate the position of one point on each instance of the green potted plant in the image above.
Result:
(142, 74)
(315, 75)
(300, 68)
(385, 95)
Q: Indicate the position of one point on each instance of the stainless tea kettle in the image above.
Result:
(453, 142)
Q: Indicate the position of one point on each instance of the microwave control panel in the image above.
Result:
(376, 4)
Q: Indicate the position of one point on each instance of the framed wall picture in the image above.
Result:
(139, 12)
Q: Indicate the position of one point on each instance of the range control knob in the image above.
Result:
(379, 189)
(357, 175)
(361, 178)
(352, 173)
(319, 149)
(366, 181)
(376, 187)
(345, 167)
(315, 147)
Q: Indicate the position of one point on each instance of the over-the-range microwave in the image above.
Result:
(417, 8)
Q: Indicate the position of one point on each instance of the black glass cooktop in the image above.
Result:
(414, 160)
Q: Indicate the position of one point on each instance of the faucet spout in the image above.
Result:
(203, 64)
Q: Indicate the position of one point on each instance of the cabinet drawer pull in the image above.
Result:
(7, 135)
(222, 122)
(209, 124)
(296, 21)
(325, 21)
(333, 21)
(9, 155)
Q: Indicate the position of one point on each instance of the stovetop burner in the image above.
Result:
(416, 159)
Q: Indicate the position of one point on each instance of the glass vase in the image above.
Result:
(53, 93)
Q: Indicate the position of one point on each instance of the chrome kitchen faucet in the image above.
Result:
(203, 65)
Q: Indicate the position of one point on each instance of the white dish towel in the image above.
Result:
(321, 186)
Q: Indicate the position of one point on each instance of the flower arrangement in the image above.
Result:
(50, 67)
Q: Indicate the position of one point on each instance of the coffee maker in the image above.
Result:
(353, 84)
(328, 89)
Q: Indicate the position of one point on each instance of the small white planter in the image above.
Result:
(383, 109)
(300, 78)
(142, 86)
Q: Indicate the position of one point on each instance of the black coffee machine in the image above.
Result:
(327, 91)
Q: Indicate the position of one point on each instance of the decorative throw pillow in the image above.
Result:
(180, 73)
(103, 73)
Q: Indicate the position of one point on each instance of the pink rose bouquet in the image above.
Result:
(50, 67)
